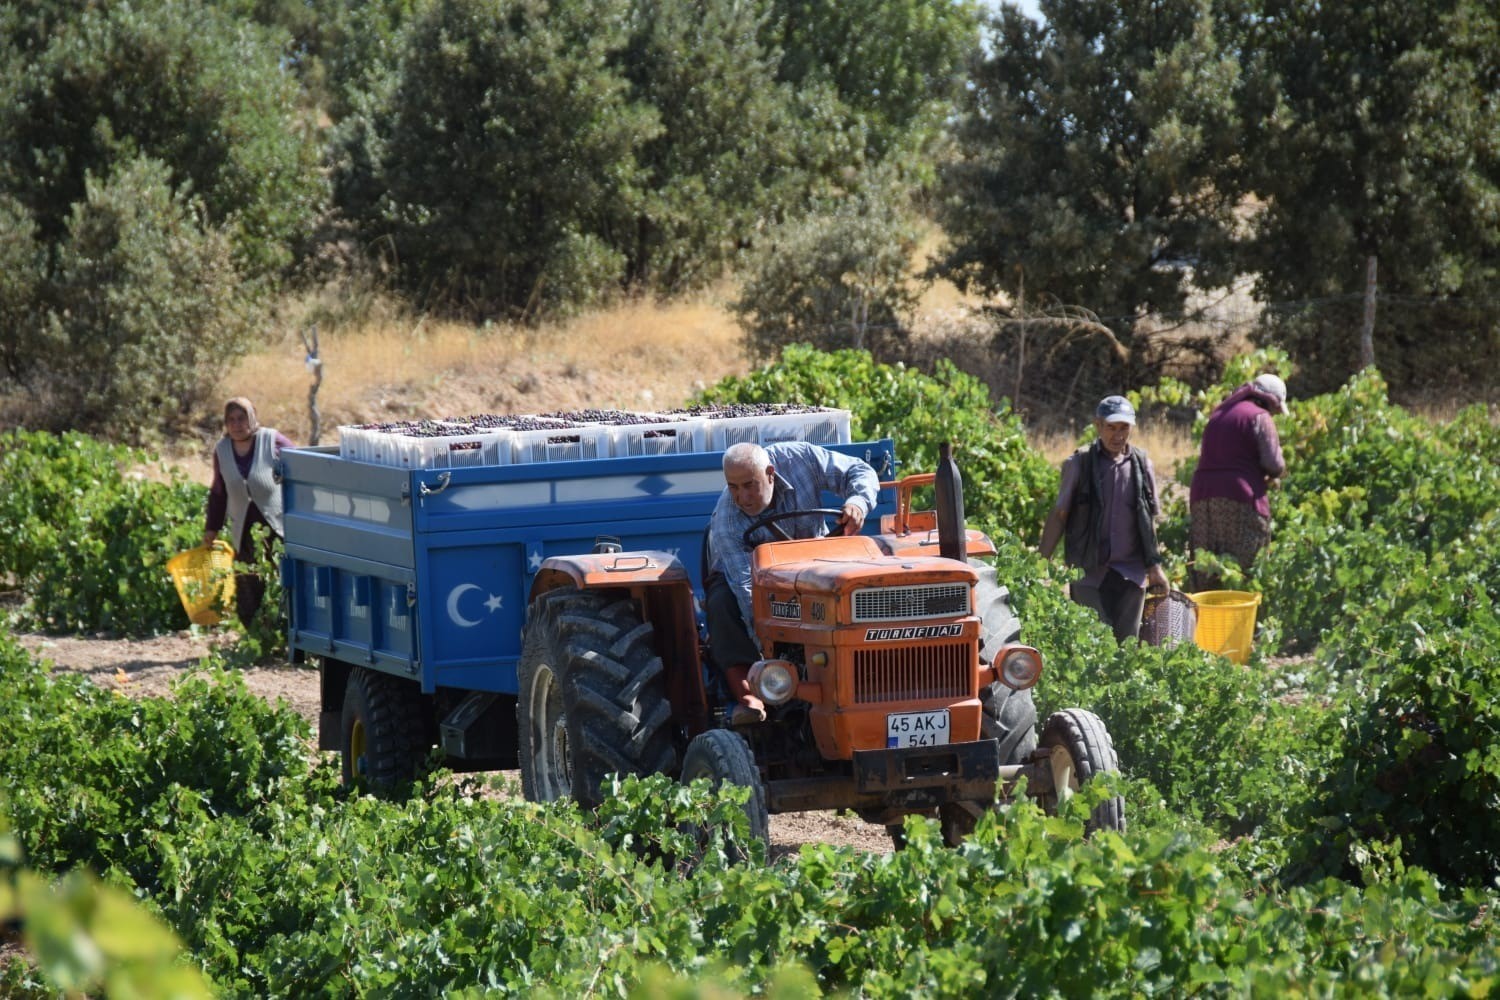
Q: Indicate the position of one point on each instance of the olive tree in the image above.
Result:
(498, 163)
(141, 314)
(174, 80)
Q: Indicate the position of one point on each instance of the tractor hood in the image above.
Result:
(841, 565)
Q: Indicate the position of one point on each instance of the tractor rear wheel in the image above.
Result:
(1008, 716)
(998, 624)
(384, 731)
(593, 696)
(1079, 748)
(722, 756)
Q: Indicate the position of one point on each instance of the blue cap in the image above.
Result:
(1115, 410)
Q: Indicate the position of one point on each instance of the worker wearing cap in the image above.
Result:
(1239, 461)
(1106, 517)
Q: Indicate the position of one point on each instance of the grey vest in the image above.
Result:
(259, 488)
(1085, 524)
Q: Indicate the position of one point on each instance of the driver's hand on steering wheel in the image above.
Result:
(853, 519)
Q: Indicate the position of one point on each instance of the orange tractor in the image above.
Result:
(891, 670)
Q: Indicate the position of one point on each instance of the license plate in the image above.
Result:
(917, 729)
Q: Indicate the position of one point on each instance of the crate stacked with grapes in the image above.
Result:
(580, 435)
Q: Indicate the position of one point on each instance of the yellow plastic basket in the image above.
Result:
(205, 581)
(1226, 622)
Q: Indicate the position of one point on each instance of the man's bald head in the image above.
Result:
(750, 477)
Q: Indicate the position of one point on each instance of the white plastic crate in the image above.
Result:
(561, 444)
(352, 442)
(393, 445)
(824, 426)
(667, 437)
(464, 451)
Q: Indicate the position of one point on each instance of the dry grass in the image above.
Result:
(1167, 445)
(638, 355)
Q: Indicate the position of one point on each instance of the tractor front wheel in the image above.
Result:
(723, 757)
(1079, 748)
(1007, 716)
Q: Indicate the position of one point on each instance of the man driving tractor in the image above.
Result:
(758, 481)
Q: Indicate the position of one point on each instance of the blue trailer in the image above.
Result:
(424, 576)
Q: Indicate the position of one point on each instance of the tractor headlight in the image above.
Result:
(1020, 666)
(775, 681)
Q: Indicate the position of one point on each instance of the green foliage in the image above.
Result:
(93, 939)
(1096, 157)
(1416, 780)
(170, 80)
(1377, 142)
(86, 536)
(84, 936)
(93, 778)
(353, 46)
(1214, 740)
(836, 278)
(731, 142)
(1008, 485)
(281, 885)
(641, 143)
(1370, 487)
(897, 64)
(499, 164)
(143, 311)
(21, 272)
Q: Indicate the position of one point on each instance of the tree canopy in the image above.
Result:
(1377, 135)
(84, 89)
(1095, 160)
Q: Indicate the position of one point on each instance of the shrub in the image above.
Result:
(1370, 488)
(179, 82)
(87, 537)
(1417, 778)
(92, 777)
(144, 311)
(837, 278)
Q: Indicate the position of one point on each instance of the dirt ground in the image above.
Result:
(147, 667)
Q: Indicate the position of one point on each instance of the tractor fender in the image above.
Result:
(597, 570)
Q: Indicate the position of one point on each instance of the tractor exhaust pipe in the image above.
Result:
(949, 487)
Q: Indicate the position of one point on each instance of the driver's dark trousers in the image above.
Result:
(729, 644)
(731, 649)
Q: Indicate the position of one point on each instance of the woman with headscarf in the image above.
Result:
(1229, 512)
(245, 492)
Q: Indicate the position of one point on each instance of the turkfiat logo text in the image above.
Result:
(913, 632)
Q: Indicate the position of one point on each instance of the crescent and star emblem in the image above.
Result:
(492, 604)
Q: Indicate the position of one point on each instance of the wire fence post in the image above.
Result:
(1367, 328)
(315, 366)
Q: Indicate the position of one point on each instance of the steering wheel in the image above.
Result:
(770, 521)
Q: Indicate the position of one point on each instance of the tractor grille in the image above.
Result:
(937, 600)
(910, 673)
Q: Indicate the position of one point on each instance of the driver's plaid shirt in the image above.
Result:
(804, 472)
